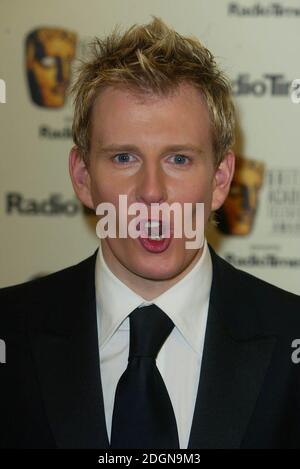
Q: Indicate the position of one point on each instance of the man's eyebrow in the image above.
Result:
(129, 147)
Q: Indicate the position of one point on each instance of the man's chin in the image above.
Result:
(156, 273)
(137, 260)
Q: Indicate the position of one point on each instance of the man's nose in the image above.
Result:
(151, 185)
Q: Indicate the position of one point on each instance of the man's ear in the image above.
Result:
(222, 180)
(80, 177)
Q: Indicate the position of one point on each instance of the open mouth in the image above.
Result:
(155, 236)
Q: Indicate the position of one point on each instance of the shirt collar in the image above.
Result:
(185, 302)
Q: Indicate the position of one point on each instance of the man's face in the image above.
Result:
(240, 206)
(49, 58)
(162, 153)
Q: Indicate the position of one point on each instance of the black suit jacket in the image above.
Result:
(50, 385)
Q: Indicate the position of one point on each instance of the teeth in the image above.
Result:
(154, 229)
(153, 223)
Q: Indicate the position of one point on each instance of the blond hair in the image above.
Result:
(153, 58)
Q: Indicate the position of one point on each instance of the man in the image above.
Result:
(148, 344)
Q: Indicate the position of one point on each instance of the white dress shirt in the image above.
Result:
(179, 359)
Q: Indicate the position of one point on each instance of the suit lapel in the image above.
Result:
(65, 348)
(234, 364)
(63, 333)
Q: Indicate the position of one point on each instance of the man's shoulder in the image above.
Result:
(274, 308)
(48, 288)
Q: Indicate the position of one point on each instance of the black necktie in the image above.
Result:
(143, 415)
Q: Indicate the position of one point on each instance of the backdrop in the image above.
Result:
(44, 229)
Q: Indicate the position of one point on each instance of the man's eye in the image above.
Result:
(181, 159)
(122, 158)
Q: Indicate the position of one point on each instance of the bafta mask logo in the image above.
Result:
(49, 54)
(237, 215)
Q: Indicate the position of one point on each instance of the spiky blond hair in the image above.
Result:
(153, 58)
